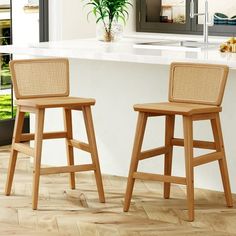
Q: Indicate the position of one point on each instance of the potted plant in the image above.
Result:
(109, 13)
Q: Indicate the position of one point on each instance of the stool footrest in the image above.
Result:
(67, 169)
(48, 135)
(24, 148)
(205, 116)
(204, 159)
(80, 145)
(196, 143)
(152, 153)
(162, 178)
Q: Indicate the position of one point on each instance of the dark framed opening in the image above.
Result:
(150, 18)
(174, 17)
(7, 108)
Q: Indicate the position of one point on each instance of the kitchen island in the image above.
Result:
(129, 49)
(119, 75)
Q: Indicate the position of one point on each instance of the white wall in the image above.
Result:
(25, 24)
(68, 20)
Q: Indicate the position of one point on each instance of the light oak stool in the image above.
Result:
(195, 93)
(40, 84)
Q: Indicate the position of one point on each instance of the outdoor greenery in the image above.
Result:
(6, 111)
(106, 11)
(5, 107)
(5, 78)
(5, 99)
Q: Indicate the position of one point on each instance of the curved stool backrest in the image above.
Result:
(39, 78)
(197, 83)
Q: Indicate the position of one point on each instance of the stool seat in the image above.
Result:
(54, 102)
(168, 108)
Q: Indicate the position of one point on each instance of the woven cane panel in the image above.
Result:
(40, 78)
(196, 83)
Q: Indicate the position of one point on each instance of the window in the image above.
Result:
(6, 109)
(222, 14)
(19, 22)
(173, 16)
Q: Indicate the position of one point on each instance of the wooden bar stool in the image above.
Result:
(195, 93)
(41, 84)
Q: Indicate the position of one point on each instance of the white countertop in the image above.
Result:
(124, 51)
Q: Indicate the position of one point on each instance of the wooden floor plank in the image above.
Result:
(63, 211)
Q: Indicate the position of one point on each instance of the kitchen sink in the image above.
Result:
(198, 44)
(180, 45)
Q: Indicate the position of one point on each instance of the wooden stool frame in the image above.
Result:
(38, 106)
(188, 143)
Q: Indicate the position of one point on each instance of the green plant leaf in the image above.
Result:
(108, 10)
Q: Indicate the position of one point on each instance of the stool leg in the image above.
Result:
(39, 122)
(19, 121)
(169, 134)
(218, 137)
(188, 147)
(69, 149)
(138, 140)
(94, 153)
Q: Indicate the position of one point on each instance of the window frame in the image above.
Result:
(44, 21)
(191, 27)
(7, 126)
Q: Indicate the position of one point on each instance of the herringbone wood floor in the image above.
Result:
(77, 212)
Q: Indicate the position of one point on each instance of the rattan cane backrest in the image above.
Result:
(40, 78)
(197, 83)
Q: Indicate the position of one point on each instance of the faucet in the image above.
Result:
(206, 19)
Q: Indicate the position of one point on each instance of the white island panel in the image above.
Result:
(118, 76)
